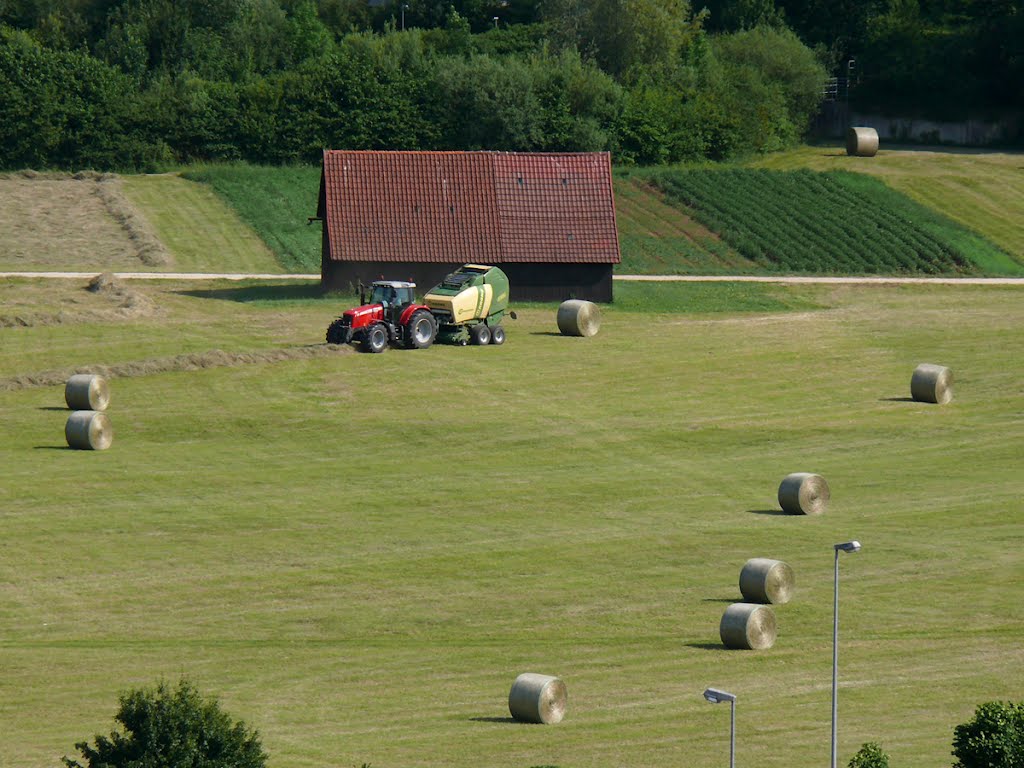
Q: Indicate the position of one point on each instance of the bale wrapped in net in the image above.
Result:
(538, 698)
(763, 580)
(862, 142)
(932, 384)
(578, 318)
(89, 431)
(748, 627)
(804, 493)
(87, 392)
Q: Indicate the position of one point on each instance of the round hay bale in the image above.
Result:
(747, 626)
(89, 431)
(86, 392)
(537, 698)
(932, 384)
(862, 142)
(804, 493)
(578, 318)
(763, 580)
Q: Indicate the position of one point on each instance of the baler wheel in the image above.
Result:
(497, 335)
(480, 335)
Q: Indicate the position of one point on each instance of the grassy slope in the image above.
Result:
(358, 553)
(276, 203)
(202, 233)
(982, 190)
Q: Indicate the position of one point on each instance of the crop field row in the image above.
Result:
(830, 223)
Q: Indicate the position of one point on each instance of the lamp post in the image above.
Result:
(716, 696)
(495, 20)
(404, 6)
(849, 546)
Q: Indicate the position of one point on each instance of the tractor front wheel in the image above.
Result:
(420, 330)
(375, 339)
(479, 335)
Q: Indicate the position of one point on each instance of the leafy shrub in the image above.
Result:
(870, 755)
(172, 728)
(993, 738)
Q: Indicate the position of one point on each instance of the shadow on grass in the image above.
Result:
(709, 646)
(896, 400)
(546, 333)
(721, 600)
(779, 512)
(250, 293)
(54, 408)
(52, 448)
(496, 720)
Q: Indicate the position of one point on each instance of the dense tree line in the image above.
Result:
(146, 83)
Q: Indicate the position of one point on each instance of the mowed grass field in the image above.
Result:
(357, 554)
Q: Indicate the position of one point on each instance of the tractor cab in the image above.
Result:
(391, 293)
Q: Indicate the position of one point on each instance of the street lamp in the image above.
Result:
(848, 546)
(716, 696)
(495, 20)
(404, 6)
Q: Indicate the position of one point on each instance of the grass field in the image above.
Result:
(357, 554)
(982, 190)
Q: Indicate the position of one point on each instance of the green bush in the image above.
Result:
(993, 738)
(172, 729)
(870, 755)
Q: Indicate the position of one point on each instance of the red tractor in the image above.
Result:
(391, 316)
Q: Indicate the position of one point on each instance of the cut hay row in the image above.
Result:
(191, 362)
(148, 247)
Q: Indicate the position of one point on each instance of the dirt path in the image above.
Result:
(811, 280)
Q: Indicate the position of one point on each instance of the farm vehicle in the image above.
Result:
(467, 306)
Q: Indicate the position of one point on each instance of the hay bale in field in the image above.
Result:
(748, 626)
(932, 384)
(763, 580)
(862, 142)
(87, 392)
(537, 698)
(804, 493)
(578, 318)
(89, 431)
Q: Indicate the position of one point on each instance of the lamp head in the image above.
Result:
(716, 696)
(848, 546)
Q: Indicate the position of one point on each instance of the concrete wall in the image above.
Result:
(834, 120)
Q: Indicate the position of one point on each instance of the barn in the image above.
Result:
(547, 219)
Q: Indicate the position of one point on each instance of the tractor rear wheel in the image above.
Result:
(375, 339)
(497, 335)
(420, 330)
(479, 335)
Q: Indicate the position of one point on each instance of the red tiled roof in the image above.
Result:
(469, 206)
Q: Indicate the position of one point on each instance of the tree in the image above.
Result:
(870, 755)
(172, 729)
(993, 738)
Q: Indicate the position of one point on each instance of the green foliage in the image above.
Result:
(172, 728)
(801, 221)
(870, 755)
(993, 738)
